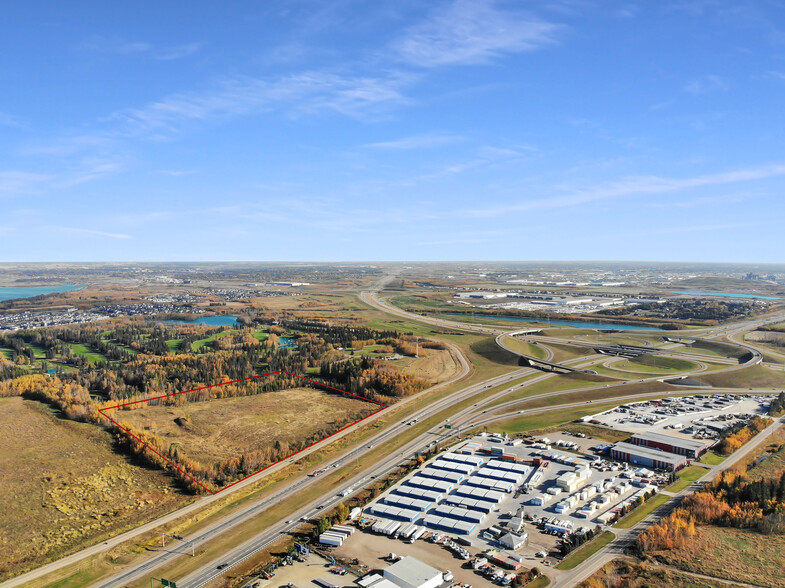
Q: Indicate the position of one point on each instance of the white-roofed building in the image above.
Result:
(412, 573)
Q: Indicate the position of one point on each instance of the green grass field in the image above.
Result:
(686, 477)
(197, 345)
(644, 510)
(554, 383)
(40, 352)
(594, 431)
(585, 551)
(711, 458)
(531, 422)
(173, 343)
(83, 351)
(651, 364)
(6, 351)
(540, 582)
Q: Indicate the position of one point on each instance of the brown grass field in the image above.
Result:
(732, 554)
(228, 427)
(64, 488)
(433, 365)
(774, 449)
(630, 574)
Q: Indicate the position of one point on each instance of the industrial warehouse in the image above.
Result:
(506, 503)
(692, 449)
(651, 458)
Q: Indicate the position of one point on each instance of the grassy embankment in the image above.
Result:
(756, 376)
(524, 347)
(644, 510)
(585, 551)
(686, 477)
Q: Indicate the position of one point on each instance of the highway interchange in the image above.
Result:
(469, 417)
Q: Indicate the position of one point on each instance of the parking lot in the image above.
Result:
(696, 416)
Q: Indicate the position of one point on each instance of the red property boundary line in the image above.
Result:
(194, 480)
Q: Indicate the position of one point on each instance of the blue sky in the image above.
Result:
(392, 130)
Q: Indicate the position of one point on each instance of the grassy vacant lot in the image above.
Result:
(756, 376)
(773, 452)
(644, 510)
(651, 364)
(686, 477)
(631, 574)
(584, 552)
(733, 554)
(227, 427)
(64, 488)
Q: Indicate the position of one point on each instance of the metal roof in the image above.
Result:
(670, 440)
(412, 572)
(649, 453)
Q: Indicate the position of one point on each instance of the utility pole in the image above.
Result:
(417, 352)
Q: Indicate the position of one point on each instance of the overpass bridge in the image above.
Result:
(534, 362)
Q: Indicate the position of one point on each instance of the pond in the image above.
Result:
(223, 320)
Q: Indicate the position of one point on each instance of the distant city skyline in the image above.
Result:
(344, 130)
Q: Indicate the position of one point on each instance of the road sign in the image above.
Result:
(164, 582)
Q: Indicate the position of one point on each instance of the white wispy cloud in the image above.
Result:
(63, 146)
(119, 46)
(706, 84)
(8, 120)
(417, 142)
(176, 172)
(311, 91)
(93, 232)
(13, 181)
(177, 52)
(469, 32)
(87, 170)
(631, 187)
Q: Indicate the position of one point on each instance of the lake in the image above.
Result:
(15, 292)
(726, 294)
(565, 323)
(223, 320)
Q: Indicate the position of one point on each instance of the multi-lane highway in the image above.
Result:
(470, 416)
